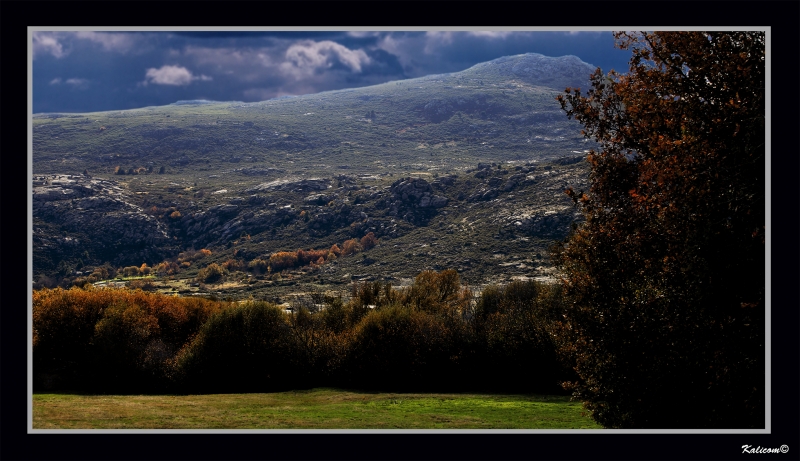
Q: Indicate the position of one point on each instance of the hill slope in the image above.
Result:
(488, 151)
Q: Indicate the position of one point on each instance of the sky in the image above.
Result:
(88, 71)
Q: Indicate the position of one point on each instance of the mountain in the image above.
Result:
(462, 170)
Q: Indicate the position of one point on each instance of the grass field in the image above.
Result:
(312, 409)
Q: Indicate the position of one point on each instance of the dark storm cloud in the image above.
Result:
(94, 71)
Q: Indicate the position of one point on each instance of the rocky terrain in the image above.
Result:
(93, 216)
(463, 171)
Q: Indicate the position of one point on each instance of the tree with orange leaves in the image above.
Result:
(665, 280)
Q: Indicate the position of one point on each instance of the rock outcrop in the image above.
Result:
(295, 185)
(413, 200)
(98, 211)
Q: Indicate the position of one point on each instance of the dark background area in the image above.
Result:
(780, 16)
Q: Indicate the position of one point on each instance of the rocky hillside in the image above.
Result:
(464, 171)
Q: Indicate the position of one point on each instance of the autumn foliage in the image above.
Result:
(423, 337)
(110, 339)
(664, 318)
(282, 260)
(368, 241)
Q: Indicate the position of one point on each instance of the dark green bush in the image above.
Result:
(514, 349)
(402, 349)
(242, 349)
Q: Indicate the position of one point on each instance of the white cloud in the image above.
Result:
(306, 57)
(44, 42)
(363, 34)
(172, 75)
(434, 40)
(578, 32)
(245, 64)
(77, 82)
(490, 33)
(109, 41)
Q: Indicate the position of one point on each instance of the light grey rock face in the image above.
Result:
(297, 185)
(317, 199)
(549, 222)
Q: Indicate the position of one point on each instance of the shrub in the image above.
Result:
(376, 294)
(233, 265)
(247, 348)
(402, 349)
(211, 273)
(110, 339)
(511, 327)
(146, 285)
(258, 265)
(369, 241)
(130, 271)
(119, 342)
(350, 247)
(437, 293)
(283, 260)
(167, 268)
(305, 257)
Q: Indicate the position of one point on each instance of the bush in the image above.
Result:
(146, 285)
(305, 257)
(437, 292)
(233, 265)
(120, 340)
(211, 273)
(130, 271)
(514, 350)
(402, 349)
(247, 348)
(110, 339)
(283, 260)
(350, 247)
(369, 241)
(258, 265)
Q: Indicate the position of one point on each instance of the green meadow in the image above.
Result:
(321, 408)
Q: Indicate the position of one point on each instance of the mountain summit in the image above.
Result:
(536, 69)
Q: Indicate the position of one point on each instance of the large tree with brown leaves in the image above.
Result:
(666, 278)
